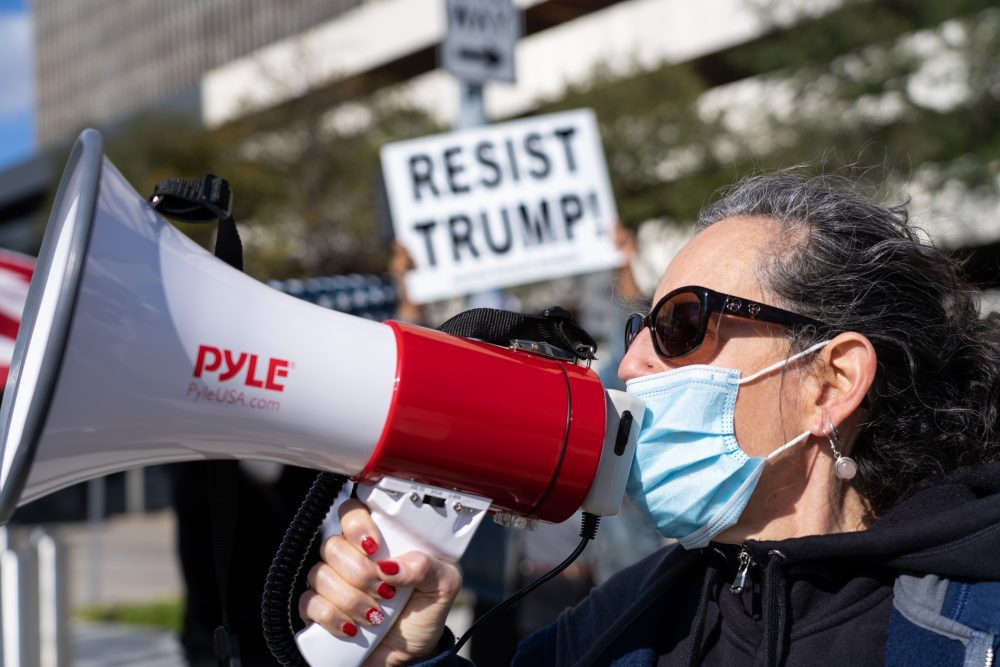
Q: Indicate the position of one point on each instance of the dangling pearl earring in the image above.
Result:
(844, 467)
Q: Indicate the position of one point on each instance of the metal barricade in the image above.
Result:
(34, 609)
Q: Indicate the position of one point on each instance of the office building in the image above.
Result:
(101, 61)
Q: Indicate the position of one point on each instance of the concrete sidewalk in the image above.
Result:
(125, 560)
(106, 645)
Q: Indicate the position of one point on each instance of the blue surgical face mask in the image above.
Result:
(690, 477)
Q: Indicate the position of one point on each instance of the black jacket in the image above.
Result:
(806, 601)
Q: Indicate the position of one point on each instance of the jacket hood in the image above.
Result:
(950, 527)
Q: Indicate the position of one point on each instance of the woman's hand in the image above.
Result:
(346, 589)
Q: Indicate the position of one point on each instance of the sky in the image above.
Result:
(17, 111)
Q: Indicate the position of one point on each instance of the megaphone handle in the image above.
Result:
(410, 517)
(319, 647)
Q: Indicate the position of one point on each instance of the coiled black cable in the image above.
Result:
(276, 602)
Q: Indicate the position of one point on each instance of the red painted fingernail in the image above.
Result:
(369, 545)
(349, 629)
(389, 566)
(374, 616)
(385, 591)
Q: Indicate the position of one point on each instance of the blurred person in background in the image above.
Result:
(821, 436)
(268, 495)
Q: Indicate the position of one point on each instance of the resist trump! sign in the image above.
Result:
(502, 205)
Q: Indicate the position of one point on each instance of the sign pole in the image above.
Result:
(471, 105)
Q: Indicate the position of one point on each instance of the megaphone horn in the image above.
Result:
(138, 347)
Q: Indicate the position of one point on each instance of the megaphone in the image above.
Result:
(138, 347)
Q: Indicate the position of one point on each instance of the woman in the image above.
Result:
(822, 444)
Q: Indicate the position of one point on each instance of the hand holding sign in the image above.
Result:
(502, 205)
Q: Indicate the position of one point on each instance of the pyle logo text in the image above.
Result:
(229, 364)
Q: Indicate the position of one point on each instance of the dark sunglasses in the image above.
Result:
(678, 321)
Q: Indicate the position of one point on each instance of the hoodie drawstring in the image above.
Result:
(698, 623)
(775, 602)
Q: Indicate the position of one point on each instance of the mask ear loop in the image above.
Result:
(788, 445)
(784, 362)
(845, 467)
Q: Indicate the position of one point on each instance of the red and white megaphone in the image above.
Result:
(138, 347)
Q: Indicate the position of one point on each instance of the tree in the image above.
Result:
(910, 87)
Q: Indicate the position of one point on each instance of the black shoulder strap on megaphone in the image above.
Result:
(205, 200)
(202, 200)
(554, 326)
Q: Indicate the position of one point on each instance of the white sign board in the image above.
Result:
(480, 39)
(502, 205)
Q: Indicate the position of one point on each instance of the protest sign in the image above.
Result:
(502, 205)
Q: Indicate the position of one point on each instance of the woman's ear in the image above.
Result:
(845, 372)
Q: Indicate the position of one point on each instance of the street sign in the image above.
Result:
(502, 205)
(480, 39)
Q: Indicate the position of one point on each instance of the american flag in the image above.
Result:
(15, 274)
